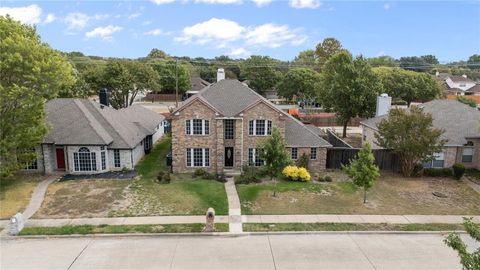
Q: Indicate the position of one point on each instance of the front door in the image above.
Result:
(60, 158)
(228, 156)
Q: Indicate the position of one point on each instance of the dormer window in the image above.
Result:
(197, 127)
(259, 127)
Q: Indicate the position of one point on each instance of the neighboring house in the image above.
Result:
(458, 85)
(459, 82)
(221, 127)
(86, 137)
(461, 125)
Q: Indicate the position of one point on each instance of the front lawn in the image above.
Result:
(142, 196)
(391, 194)
(185, 195)
(15, 193)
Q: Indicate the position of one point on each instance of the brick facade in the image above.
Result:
(216, 142)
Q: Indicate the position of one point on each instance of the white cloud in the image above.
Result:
(239, 53)
(28, 15)
(134, 15)
(154, 32)
(146, 22)
(219, 30)
(76, 20)
(261, 3)
(386, 6)
(103, 32)
(161, 2)
(50, 18)
(101, 16)
(224, 2)
(305, 3)
(273, 36)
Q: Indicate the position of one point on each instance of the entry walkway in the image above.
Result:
(234, 212)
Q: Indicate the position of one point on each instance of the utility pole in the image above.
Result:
(176, 83)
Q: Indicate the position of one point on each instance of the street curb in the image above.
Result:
(223, 234)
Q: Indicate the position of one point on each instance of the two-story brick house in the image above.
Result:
(220, 128)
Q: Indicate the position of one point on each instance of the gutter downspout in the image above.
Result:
(241, 153)
(43, 157)
(131, 158)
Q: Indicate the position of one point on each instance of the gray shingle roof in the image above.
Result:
(460, 79)
(84, 122)
(231, 97)
(456, 119)
(198, 84)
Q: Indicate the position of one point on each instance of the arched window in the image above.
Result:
(84, 160)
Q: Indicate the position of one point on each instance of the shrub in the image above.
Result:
(294, 173)
(458, 170)
(437, 172)
(417, 170)
(220, 177)
(199, 173)
(160, 176)
(303, 161)
(167, 178)
(328, 178)
(250, 174)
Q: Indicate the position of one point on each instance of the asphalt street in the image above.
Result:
(287, 251)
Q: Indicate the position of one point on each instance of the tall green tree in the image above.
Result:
(382, 61)
(157, 54)
(31, 72)
(166, 70)
(411, 135)
(349, 87)
(469, 260)
(261, 72)
(275, 155)
(306, 58)
(326, 49)
(408, 85)
(299, 82)
(123, 79)
(362, 170)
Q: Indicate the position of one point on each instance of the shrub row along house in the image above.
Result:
(87, 137)
(220, 128)
(461, 126)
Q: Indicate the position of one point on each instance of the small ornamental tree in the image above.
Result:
(363, 170)
(469, 261)
(275, 155)
(411, 135)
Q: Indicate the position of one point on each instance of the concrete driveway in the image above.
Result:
(290, 251)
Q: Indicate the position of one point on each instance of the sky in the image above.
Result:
(449, 30)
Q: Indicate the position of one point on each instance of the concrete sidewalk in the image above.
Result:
(393, 219)
(234, 210)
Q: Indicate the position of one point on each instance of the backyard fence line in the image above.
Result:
(385, 159)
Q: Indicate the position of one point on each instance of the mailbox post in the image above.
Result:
(210, 222)
(16, 224)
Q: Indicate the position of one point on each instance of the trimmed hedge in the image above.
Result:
(458, 170)
(438, 172)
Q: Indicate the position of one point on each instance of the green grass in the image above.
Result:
(391, 194)
(15, 193)
(185, 195)
(278, 227)
(474, 174)
(119, 229)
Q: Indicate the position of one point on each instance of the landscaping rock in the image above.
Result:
(439, 194)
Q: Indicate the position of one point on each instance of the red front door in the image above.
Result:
(60, 159)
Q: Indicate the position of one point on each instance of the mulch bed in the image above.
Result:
(121, 175)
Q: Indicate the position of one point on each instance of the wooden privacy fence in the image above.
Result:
(384, 158)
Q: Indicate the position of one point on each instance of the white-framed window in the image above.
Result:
(197, 127)
(467, 154)
(254, 157)
(229, 128)
(294, 153)
(116, 158)
(198, 157)
(437, 162)
(259, 127)
(313, 153)
(84, 160)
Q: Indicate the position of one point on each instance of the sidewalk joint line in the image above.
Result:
(363, 252)
(271, 252)
(174, 252)
(79, 254)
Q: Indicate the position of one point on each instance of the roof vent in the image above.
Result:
(220, 74)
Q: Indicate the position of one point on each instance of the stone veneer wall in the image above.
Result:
(181, 141)
(314, 166)
(368, 135)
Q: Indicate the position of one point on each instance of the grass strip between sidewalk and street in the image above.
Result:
(287, 227)
(119, 229)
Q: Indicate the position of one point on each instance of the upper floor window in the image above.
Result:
(229, 128)
(294, 153)
(197, 127)
(467, 154)
(259, 127)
